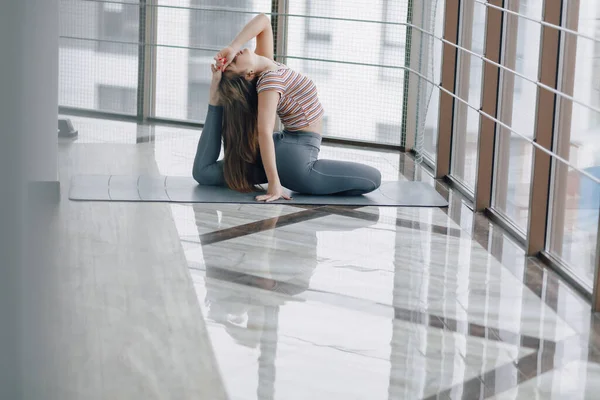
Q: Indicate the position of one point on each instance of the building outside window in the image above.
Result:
(118, 22)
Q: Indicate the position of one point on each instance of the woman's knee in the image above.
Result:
(370, 179)
(208, 175)
(375, 176)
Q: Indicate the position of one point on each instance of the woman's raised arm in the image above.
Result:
(259, 27)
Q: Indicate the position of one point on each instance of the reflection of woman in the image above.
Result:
(251, 317)
(272, 264)
(248, 90)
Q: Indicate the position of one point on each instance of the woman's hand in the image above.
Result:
(225, 57)
(275, 192)
(213, 98)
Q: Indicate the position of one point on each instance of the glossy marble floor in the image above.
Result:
(223, 301)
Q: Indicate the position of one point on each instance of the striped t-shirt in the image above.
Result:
(299, 105)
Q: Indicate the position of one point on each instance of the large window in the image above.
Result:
(573, 227)
(87, 64)
(318, 37)
(517, 100)
(430, 131)
(469, 84)
(183, 72)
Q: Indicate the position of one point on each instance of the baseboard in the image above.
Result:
(44, 192)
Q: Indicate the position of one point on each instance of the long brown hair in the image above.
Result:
(240, 131)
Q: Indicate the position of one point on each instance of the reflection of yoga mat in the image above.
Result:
(178, 189)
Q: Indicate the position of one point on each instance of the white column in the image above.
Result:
(39, 41)
(11, 196)
(28, 151)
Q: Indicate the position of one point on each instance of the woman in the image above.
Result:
(248, 90)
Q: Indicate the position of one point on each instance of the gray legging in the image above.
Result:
(297, 165)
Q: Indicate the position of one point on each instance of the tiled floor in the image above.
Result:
(320, 303)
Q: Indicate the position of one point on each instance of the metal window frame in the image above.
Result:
(410, 107)
(494, 37)
(463, 85)
(448, 73)
(505, 114)
(147, 60)
(545, 126)
(596, 290)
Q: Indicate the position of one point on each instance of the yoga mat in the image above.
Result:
(181, 189)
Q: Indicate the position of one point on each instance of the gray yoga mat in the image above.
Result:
(180, 189)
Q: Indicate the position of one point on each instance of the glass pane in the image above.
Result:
(95, 72)
(519, 96)
(466, 129)
(361, 102)
(183, 74)
(576, 198)
(574, 225)
(430, 134)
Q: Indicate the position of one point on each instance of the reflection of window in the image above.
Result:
(393, 41)
(386, 132)
(317, 37)
(118, 22)
(197, 100)
(117, 99)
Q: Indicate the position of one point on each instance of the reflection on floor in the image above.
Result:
(338, 303)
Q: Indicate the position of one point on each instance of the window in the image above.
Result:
(573, 232)
(209, 29)
(217, 28)
(514, 154)
(324, 125)
(197, 100)
(118, 22)
(317, 38)
(78, 19)
(595, 120)
(469, 85)
(393, 41)
(386, 131)
(118, 99)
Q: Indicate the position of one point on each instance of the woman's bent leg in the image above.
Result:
(301, 171)
(207, 170)
(343, 178)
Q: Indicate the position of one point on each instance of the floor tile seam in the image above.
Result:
(262, 225)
